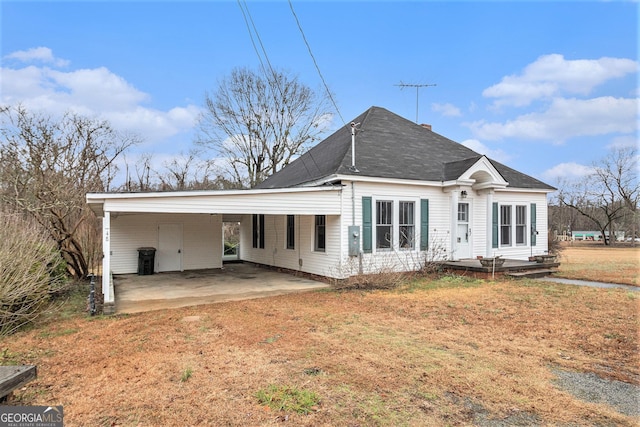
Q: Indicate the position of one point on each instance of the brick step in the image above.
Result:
(530, 274)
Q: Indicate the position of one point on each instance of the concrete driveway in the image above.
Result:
(234, 282)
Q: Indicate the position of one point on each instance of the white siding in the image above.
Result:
(523, 198)
(479, 224)
(276, 254)
(397, 260)
(440, 224)
(304, 202)
(202, 239)
(202, 233)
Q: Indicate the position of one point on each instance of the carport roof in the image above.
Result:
(324, 200)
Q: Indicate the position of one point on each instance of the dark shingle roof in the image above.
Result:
(388, 146)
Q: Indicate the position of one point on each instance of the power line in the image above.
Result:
(276, 80)
(417, 86)
(244, 14)
(264, 51)
(316, 63)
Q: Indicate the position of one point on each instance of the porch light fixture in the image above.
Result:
(463, 194)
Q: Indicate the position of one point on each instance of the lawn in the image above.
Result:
(437, 351)
(594, 261)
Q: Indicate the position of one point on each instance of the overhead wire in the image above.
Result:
(255, 48)
(315, 63)
(245, 13)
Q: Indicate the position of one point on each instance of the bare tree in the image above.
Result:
(187, 172)
(257, 123)
(618, 173)
(47, 166)
(182, 172)
(608, 193)
(138, 177)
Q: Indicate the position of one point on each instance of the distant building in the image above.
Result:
(594, 235)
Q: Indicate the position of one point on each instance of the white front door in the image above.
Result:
(463, 232)
(169, 253)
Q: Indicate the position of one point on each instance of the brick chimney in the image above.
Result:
(426, 126)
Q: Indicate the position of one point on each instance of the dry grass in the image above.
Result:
(620, 264)
(448, 351)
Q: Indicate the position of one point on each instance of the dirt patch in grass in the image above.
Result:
(448, 351)
(618, 264)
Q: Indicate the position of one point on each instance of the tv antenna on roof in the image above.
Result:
(417, 86)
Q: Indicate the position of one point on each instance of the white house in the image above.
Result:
(385, 193)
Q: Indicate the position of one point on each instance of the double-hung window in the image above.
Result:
(258, 231)
(320, 238)
(384, 225)
(406, 225)
(395, 225)
(521, 225)
(505, 225)
(291, 232)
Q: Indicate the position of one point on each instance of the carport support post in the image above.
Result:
(106, 257)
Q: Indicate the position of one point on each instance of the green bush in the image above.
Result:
(31, 270)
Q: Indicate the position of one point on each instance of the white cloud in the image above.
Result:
(96, 92)
(97, 89)
(566, 118)
(553, 75)
(479, 147)
(624, 142)
(37, 54)
(447, 110)
(568, 171)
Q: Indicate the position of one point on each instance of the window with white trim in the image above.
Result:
(407, 227)
(384, 224)
(258, 231)
(394, 225)
(320, 239)
(505, 225)
(521, 225)
(291, 232)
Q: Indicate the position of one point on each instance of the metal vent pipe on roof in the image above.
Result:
(353, 146)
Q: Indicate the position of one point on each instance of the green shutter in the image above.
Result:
(254, 230)
(261, 220)
(494, 226)
(366, 225)
(424, 224)
(534, 226)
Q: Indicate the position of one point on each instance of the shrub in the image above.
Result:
(555, 245)
(31, 270)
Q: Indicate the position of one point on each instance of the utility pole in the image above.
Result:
(417, 86)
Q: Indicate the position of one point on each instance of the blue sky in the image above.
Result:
(544, 87)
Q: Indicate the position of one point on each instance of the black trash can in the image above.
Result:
(146, 261)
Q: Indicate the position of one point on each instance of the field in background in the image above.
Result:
(438, 351)
(594, 261)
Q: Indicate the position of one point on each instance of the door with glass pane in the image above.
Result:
(463, 232)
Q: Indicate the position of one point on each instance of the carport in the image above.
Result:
(186, 230)
(233, 282)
